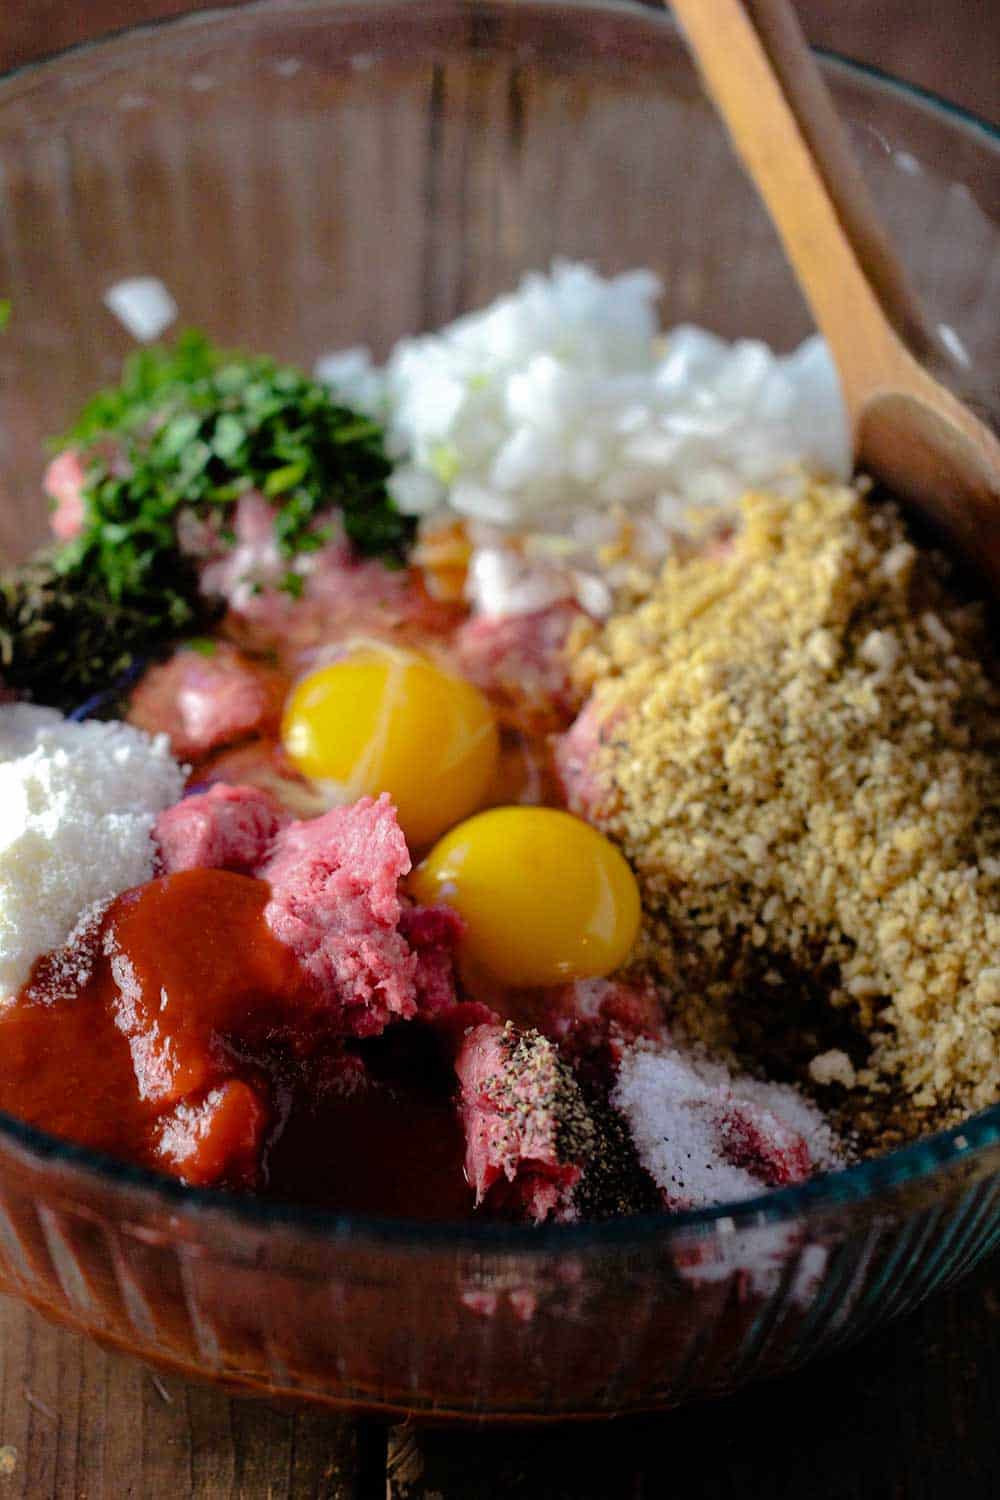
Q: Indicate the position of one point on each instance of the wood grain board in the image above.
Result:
(911, 1414)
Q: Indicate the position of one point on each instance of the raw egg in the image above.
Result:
(545, 897)
(384, 719)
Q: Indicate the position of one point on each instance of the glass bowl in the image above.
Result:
(306, 176)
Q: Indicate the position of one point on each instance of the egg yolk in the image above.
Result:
(545, 897)
(383, 719)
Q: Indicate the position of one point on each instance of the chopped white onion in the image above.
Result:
(143, 305)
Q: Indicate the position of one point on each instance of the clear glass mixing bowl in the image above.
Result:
(305, 176)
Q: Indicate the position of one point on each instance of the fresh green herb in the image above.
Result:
(189, 430)
(194, 427)
(4, 312)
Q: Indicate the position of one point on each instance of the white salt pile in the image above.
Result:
(706, 1136)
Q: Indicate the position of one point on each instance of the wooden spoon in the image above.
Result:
(908, 430)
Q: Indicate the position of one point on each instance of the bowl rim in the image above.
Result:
(235, 12)
(854, 1184)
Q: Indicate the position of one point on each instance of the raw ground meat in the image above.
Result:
(520, 662)
(528, 1131)
(224, 828)
(205, 701)
(63, 482)
(343, 595)
(574, 758)
(261, 763)
(335, 902)
(433, 933)
(707, 1136)
(594, 1020)
(764, 1143)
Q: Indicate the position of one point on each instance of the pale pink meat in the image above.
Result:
(63, 482)
(252, 563)
(433, 933)
(574, 757)
(224, 828)
(707, 1135)
(335, 902)
(521, 663)
(262, 763)
(527, 1130)
(766, 1145)
(203, 701)
(343, 595)
(594, 1020)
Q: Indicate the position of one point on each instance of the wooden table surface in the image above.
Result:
(911, 1414)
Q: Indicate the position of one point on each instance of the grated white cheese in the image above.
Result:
(77, 807)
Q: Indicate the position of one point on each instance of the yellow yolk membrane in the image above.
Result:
(385, 719)
(545, 897)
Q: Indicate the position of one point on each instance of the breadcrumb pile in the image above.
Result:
(801, 759)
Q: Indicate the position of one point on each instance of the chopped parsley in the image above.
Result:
(194, 427)
(187, 431)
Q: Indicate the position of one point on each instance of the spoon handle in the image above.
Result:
(908, 430)
(806, 93)
(758, 69)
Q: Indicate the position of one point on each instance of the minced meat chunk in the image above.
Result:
(343, 595)
(223, 828)
(433, 933)
(202, 702)
(708, 1136)
(522, 664)
(335, 901)
(527, 1129)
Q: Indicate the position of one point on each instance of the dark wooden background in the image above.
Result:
(952, 48)
(910, 1415)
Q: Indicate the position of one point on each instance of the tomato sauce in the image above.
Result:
(181, 1035)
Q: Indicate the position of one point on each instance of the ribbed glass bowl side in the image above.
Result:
(308, 176)
(449, 1323)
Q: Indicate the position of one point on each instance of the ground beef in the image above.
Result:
(63, 482)
(575, 759)
(224, 828)
(342, 595)
(594, 1020)
(709, 1136)
(433, 933)
(264, 764)
(205, 701)
(521, 663)
(528, 1131)
(335, 901)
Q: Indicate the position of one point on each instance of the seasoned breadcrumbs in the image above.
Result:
(801, 758)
